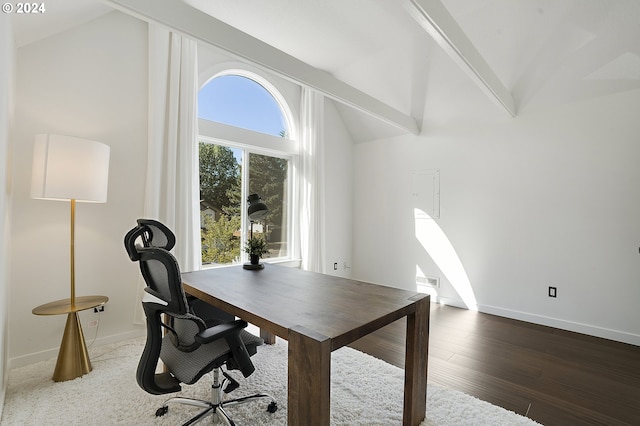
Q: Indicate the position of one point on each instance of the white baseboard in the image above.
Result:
(32, 358)
(449, 302)
(591, 330)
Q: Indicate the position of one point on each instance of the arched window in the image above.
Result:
(244, 147)
(242, 102)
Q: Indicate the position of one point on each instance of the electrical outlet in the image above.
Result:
(553, 291)
(98, 309)
(335, 266)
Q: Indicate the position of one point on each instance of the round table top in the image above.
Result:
(64, 306)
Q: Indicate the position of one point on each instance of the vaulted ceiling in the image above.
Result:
(431, 60)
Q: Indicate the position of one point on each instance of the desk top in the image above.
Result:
(278, 298)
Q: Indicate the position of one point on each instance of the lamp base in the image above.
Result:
(253, 266)
(73, 358)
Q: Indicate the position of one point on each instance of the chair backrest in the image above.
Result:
(159, 268)
(152, 233)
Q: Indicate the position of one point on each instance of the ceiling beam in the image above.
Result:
(436, 20)
(193, 23)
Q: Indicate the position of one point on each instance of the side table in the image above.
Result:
(73, 357)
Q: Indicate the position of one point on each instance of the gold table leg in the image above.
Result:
(73, 358)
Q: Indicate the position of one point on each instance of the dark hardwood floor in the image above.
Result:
(555, 377)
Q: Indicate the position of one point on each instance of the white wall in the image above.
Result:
(89, 82)
(7, 56)
(338, 193)
(549, 198)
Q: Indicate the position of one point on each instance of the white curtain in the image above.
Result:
(311, 187)
(172, 187)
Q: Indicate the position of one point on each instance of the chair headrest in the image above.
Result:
(152, 234)
(158, 234)
(130, 243)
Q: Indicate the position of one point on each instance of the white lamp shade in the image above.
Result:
(65, 168)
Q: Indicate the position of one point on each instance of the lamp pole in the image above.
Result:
(72, 253)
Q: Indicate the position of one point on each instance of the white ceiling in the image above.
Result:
(59, 15)
(556, 51)
(545, 52)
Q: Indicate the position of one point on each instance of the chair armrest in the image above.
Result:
(220, 331)
(230, 332)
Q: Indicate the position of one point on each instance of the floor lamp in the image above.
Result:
(75, 170)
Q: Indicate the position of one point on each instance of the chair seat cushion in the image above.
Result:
(188, 367)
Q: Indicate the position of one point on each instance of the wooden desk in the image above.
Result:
(318, 314)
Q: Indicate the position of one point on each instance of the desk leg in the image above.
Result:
(268, 337)
(309, 378)
(415, 374)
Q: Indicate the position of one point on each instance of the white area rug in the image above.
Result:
(364, 391)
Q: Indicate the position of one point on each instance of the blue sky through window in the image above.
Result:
(240, 102)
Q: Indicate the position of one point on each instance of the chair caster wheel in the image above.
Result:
(273, 407)
(162, 411)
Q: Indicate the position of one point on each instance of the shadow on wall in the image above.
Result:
(437, 245)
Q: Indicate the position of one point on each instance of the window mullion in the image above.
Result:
(244, 185)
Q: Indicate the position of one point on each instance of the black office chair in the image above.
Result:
(189, 349)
